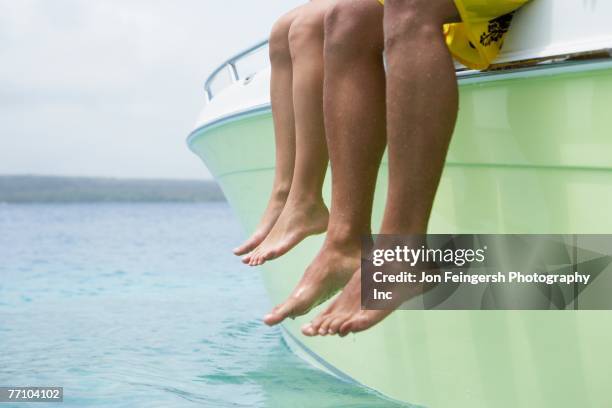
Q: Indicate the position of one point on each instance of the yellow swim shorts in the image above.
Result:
(476, 41)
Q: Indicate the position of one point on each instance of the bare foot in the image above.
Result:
(271, 214)
(298, 220)
(345, 315)
(329, 272)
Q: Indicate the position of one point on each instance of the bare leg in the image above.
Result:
(355, 122)
(304, 213)
(422, 104)
(281, 96)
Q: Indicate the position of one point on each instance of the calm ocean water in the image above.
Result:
(142, 305)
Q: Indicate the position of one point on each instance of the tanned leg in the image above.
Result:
(304, 213)
(281, 95)
(354, 102)
(422, 104)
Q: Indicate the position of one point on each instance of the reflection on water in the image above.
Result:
(143, 305)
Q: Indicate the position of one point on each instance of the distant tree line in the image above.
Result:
(44, 189)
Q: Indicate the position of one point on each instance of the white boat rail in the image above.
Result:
(567, 60)
(230, 65)
(579, 32)
(564, 60)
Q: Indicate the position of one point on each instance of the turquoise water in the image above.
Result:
(142, 305)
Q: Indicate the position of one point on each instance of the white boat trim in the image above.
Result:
(464, 78)
(222, 120)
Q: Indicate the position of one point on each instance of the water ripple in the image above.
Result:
(126, 306)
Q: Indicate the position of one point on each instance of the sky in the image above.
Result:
(112, 88)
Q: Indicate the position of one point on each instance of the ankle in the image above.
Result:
(280, 193)
(306, 200)
(403, 228)
(344, 235)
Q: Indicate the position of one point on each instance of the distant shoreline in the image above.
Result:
(53, 189)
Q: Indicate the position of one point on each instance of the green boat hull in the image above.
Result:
(531, 154)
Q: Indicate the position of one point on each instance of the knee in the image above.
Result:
(279, 41)
(343, 35)
(411, 20)
(306, 32)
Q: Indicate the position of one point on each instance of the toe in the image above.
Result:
(334, 326)
(246, 247)
(251, 243)
(308, 330)
(317, 321)
(254, 258)
(281, 248)
(269, 255)
(241, 250)
(355, 324)
(274, 317)
(345, 327)
(324, 328)
(358, 324)
(296, 305)
(280, 313)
